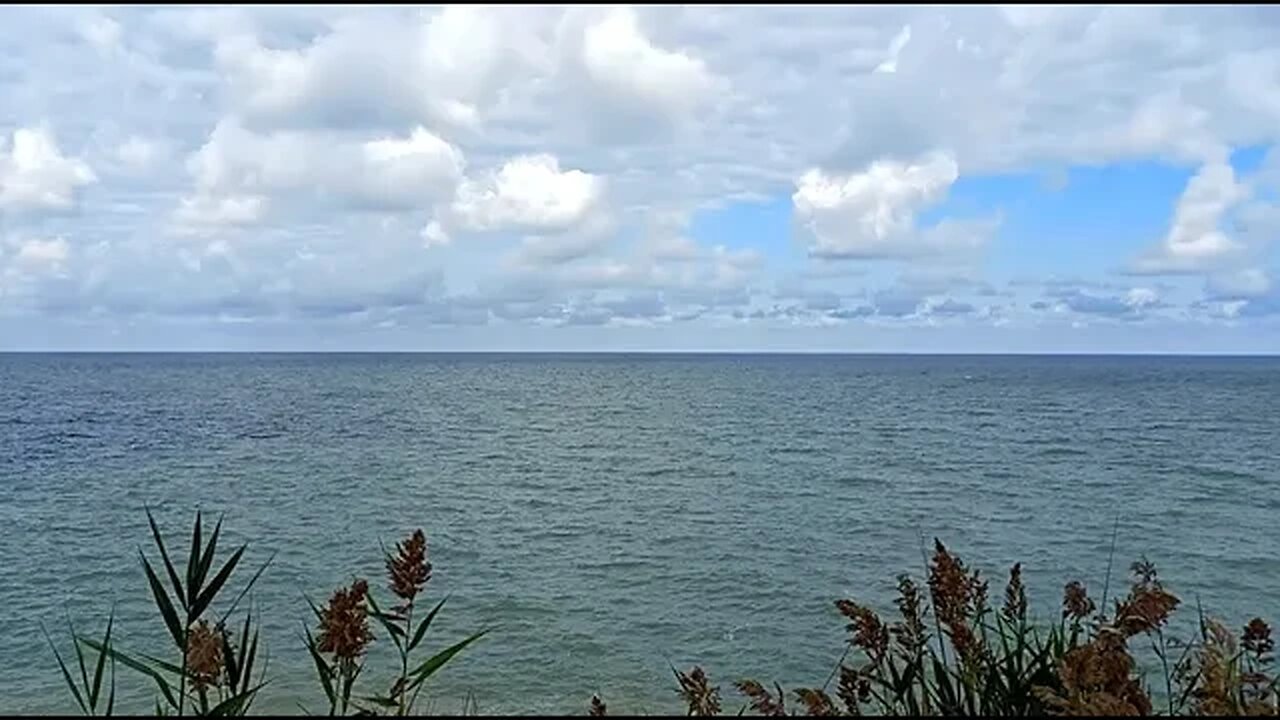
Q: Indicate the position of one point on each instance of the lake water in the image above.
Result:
(613, 513)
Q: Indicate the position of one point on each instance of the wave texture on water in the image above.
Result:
(612, 513)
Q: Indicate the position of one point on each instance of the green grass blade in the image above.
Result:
(946, 696)
(322, 668)
(235, 704)
(396, 632)
(66, 675)
(102, 663)
(426, 622)
(435, 662)
(230, 661)
(193, 565)
(248, 666)
(201, 603)
(206, 560)
(168, 566)
(138, 667)
(84, 673)
(350, 682)
(314, 609)
(165, 605)
(245, 591)
(111, 695)
(380, 701)
(162, 664)
(262, 675)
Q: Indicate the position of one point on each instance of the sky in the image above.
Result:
(832, 179)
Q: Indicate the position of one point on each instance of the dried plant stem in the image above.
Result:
(1111, 556)
(836, 669)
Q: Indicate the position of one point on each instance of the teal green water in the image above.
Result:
(614, 513)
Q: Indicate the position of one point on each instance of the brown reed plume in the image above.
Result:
(854, 689)
(910, 633)
(865, 629)
(218, 672)
(1097, 679)
(1223, 679)
(344, 634)
(702, 698)
(598, 708)
(1259, 693)
(816, 702)
(1009, 663)
(1256, 639)
(344, 623)
(1015, 596)
(1148, 605)
(204, 655)
(1076, 604)
(408, 569)
(959, 597)
(761, 700)
(408, 572)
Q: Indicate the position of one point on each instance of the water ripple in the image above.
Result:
(611, 513)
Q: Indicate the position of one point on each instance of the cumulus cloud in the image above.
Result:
(1195, 241)
(405, 172)
(528, 194)
(35, 175)
(625, 165)
(377, 70)
(237, 171)
(639, 79)
(873, 214)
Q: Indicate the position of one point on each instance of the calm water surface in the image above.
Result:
(614, 513)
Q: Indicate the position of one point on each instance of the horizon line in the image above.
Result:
(828, 353)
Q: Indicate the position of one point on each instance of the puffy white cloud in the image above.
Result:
(872, 214)
(237, 171)
(1195, 241)
(639, 78)
(322, 143)
(35, 175)
(407, 172)
(376, 69)
(528, 194)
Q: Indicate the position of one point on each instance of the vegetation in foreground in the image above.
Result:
(210, 671)
(948, 652)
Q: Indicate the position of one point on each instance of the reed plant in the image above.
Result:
(212, 660)
(344, 635)
(949, 652)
